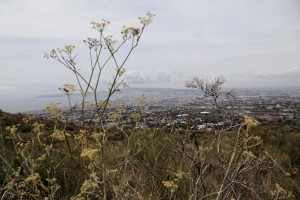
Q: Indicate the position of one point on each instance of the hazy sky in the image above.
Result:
(252, 43)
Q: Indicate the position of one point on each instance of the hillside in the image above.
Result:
(50, 158)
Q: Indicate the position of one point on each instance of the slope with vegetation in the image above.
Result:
(55, 159)
(44, 159)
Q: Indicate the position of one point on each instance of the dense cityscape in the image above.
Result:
(142, 108)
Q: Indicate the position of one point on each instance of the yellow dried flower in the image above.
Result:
(100, 26)
(88, 185)
(169, 184)
(68, 49)
(179, 174)
(250, 122)
(89, 153)
(12, 129)
(37, 127)
(53, 107)
(96, 136)
(145, 21)
(28, 119)
(33, 178)
(135, 116)
(115, 116)
(82, 131)
(42, 157)
(59, 135)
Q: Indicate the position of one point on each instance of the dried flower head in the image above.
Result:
(89, 153)
(110, 43)
(59, 135)
(145, 21)
(92, 43)
(100, 26)
(68, 49)
(129, 32)
(67, 89)
(250, 122)
(33, 178)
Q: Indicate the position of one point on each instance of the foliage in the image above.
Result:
(146, 163)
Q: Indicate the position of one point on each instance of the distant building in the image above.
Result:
(204, 113)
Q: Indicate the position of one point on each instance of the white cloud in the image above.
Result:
(153, 77)
(293, 72)
(280, 78)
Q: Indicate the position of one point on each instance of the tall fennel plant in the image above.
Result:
(104, 52)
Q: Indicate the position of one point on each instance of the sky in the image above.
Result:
(252, 43)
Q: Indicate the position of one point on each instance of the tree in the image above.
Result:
(222, 102)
